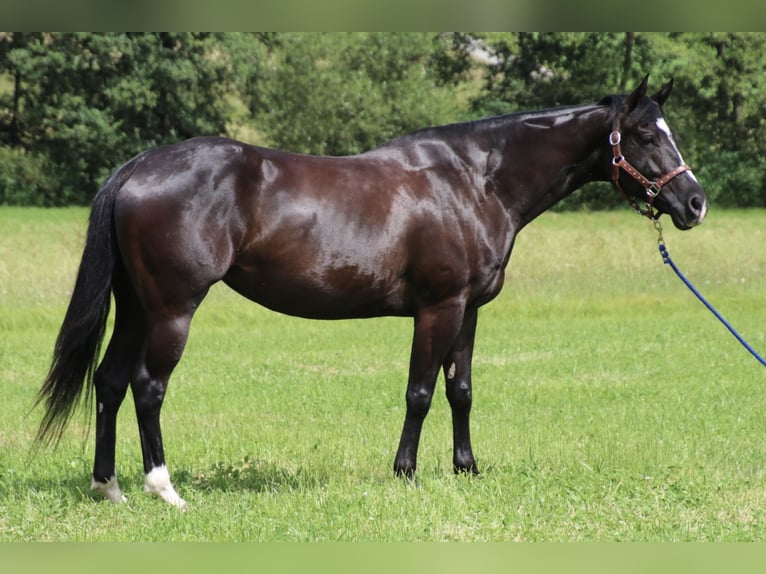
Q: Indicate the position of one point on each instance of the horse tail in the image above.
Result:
(78, 344)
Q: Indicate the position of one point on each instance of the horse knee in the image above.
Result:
(149, 403)
(164, 349)
(459, 395)
(110, 392)
(148, 394)
(419, 401)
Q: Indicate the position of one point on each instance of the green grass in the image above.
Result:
(608, 403)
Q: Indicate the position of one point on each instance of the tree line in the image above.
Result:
(74, 106)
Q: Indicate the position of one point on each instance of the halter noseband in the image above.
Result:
(652, 188)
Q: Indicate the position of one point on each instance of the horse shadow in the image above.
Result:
(245, 475)
(250, 475)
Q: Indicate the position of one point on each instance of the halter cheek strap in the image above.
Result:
(651, 188)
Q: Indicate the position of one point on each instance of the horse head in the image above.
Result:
(646, 163)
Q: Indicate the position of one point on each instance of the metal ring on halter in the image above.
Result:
(653, 190)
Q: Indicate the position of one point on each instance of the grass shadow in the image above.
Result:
(74, 488)
(251, 475)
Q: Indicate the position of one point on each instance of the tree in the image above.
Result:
(75, 106)
(23, 174)
(345, 93)
(87, 102)
(723, 79)
(547, 69)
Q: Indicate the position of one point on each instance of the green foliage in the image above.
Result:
(547, 69)
(88, 102)
(346, 93)
(24, 178)
(720, 112)
(79, 105)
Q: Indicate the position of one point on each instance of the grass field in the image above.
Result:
(608, 403)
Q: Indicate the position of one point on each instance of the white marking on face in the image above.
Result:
(157, 482)
(451, 371)
(100, 408)
(662, 125)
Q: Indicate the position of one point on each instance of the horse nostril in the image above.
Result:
(697, 207)
(696, 204)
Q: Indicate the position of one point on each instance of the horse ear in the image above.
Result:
(663, 93)
(637, 95)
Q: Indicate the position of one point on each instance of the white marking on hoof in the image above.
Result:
(109, 490)
(158, 484)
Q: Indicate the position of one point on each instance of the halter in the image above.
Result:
(651, 188)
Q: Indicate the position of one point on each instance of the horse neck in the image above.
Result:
(542, 157)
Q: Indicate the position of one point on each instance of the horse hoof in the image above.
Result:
(407, 472)
(109, 490)
(157, 483)
(469, 470)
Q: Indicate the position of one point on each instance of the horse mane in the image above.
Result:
(613, 104)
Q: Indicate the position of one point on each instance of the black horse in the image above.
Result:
(422, 226)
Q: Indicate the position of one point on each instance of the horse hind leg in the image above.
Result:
(166, 338)
(111, 383)
(142, 353)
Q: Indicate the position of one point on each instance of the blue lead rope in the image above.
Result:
(668, 261)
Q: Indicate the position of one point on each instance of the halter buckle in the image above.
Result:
(653, 190)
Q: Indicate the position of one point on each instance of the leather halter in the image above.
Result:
(651, 188)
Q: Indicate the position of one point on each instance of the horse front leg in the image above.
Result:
(457, 374)
(436, 328)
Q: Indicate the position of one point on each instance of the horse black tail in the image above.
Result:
(78, 345)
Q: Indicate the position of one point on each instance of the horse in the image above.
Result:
(422, 226)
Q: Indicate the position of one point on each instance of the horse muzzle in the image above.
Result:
(689, 211)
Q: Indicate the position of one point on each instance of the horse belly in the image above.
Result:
(320, 292)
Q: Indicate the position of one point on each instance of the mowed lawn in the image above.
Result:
(609, 404)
